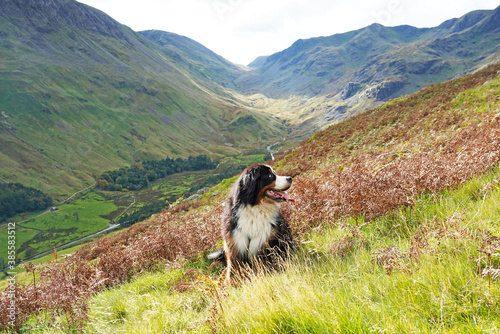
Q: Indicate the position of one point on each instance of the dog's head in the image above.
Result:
(260, 182)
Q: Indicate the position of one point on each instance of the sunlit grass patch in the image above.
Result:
(149, 304)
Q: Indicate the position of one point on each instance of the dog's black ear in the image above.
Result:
(248, 186)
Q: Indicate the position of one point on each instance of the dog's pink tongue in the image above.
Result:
(288, 198)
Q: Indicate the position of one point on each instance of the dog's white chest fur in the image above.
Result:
(255, 224)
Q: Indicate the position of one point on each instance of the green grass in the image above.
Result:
(180, 184)
(356, 296)
(149, 303)
(321, 292)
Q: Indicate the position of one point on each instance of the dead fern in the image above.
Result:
(353, 240)
(391, 258)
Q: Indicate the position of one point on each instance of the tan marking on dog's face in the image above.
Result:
(262, 192)
(280, 183)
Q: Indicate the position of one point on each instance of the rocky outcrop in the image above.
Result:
(384, 90)
(349, 90)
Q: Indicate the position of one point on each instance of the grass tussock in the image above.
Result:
(398, 232)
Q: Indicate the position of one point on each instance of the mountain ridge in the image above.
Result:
(192, 53)
(330, 78)
(365, 39)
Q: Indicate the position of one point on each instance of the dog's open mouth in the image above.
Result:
(278, 196)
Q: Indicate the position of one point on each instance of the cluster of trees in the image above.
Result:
(139, 176)
(16, 198)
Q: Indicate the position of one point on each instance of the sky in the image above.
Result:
(242, 30)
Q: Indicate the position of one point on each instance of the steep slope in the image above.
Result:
(196, 59)
(81, 93)
(371, 188)
(348, 73)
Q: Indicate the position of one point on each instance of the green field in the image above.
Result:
(52, 229)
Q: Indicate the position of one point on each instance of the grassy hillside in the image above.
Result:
(419, 270)
(396, 213)
(196, 59)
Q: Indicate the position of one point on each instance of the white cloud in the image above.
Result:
(241, 30)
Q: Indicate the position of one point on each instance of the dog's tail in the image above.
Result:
(217, 256)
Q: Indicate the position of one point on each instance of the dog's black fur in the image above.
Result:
(253, 228)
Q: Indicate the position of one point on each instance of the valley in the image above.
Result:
(397, 222)
(87, 95)
(82, 97)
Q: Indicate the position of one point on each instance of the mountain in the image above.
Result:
(81, 93)
(258, 62)
(358, 70)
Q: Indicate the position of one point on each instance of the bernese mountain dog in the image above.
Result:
(255, 233)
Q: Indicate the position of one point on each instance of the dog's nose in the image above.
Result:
(289, 179)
